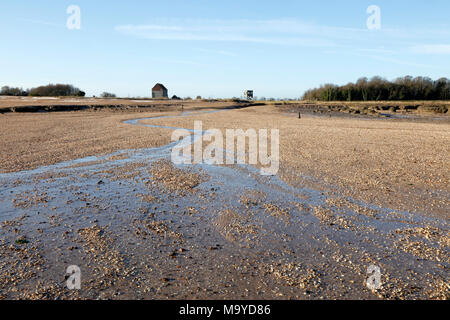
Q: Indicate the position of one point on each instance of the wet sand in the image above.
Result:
(140, 228)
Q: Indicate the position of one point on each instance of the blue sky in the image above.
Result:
(220, 48)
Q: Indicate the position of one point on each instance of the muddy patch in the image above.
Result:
(173, 179)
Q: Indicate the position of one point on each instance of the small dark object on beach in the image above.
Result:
(22, 240)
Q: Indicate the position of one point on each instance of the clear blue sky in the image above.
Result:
(218, 48)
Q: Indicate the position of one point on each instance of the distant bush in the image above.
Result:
(57, 90)
(16, 92)
(108, 95)
(174, 97)
(379, 89)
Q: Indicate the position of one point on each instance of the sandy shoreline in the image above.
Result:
(350, 193)
(402, 164)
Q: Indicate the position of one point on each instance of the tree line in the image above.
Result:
(51, 90)
(380, 89)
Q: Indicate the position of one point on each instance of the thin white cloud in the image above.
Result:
(178, 61)
(43, 23)
(432, 49)
(377, 50)
(221, 33)
(218, 52)
(287, 32)
(277, 32)
(398, 61)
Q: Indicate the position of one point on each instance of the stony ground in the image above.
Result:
(390, 162)
(30, 140)
(351, 192)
